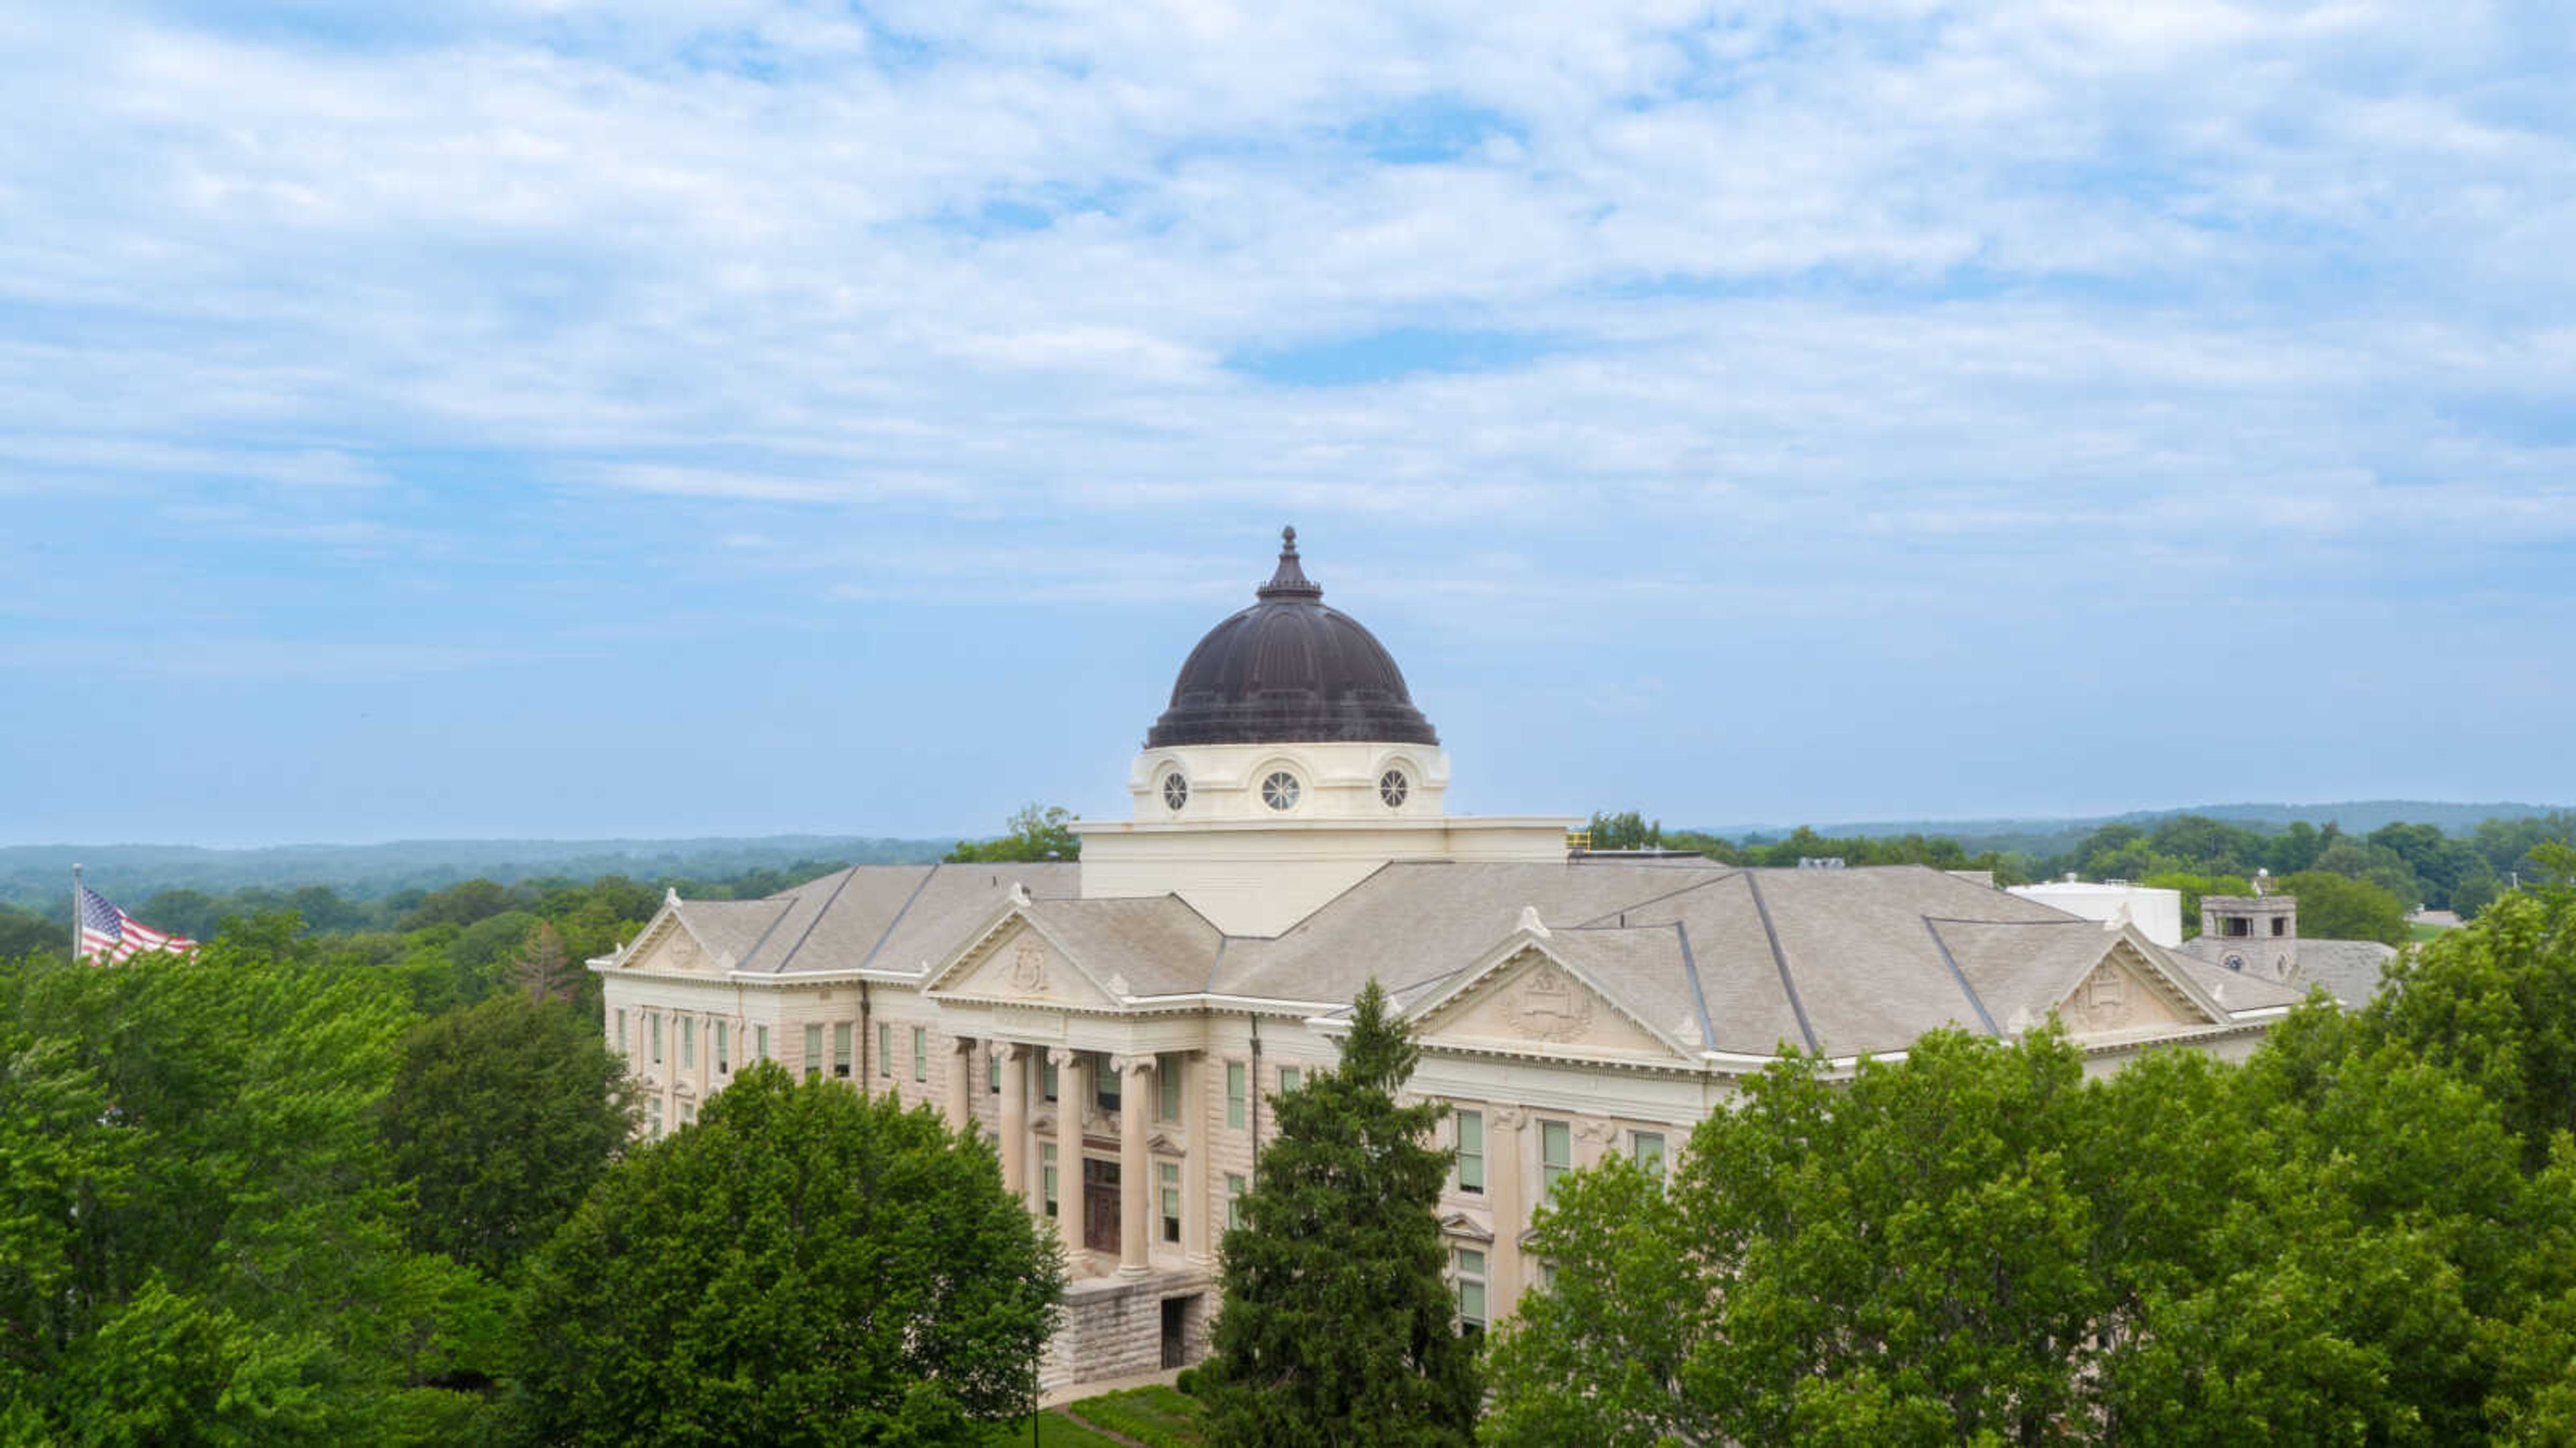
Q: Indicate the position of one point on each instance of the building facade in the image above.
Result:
(1120, 1026)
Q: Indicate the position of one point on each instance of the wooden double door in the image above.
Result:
(1100, 1204)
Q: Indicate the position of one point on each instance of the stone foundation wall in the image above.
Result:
(1113, 1327)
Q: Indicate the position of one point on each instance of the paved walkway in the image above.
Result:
(1074, 1391)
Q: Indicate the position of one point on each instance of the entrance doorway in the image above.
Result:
(1178, 1315)
(1100, 1206)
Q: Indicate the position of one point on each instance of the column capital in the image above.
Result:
(1017, 1050)
(1127, 1064)
(962, 1045)
(1509, 1118)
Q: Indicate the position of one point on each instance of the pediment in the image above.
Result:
(1021, 964)
(1536, 1002)
(2121, 995)
(670, 947)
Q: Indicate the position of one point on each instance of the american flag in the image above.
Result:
(109, 934)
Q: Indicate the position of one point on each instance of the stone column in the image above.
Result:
(1503, 1183)
(961, 1083)
(1135, 1163)
(1073, 1094)
(1198, 1133)
(1015, 1120)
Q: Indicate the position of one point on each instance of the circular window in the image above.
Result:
(1392, 788)
(2235, 962)
(1279, 791)
(1176, 790)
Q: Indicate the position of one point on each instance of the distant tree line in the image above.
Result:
(2398, 866)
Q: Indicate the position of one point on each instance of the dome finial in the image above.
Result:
(1291, 580)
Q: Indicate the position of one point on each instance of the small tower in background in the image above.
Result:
(2258, 933)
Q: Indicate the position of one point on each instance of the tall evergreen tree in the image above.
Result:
(1338, 1325)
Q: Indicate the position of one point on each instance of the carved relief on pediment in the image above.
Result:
(1548, 1005)
(2113, 998)
(1028, 967)
(1541, 1004)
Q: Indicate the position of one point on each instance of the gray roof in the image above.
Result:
(1843, 961)
(885, 917)
(2348, 969)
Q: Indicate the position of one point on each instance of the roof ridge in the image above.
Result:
(1699, 996)
(1780, 958)
(1931, 928)
(807, 933)
(1723, 872)
(901, 911)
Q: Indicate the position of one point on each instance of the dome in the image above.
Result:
(1289, 670)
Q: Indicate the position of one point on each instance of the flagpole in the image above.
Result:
(76, 912)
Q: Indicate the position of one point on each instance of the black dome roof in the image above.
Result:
(1288, 670)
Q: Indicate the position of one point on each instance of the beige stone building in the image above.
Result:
(1121, 1025)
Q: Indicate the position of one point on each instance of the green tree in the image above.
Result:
(1036, 834)
(2333, 907)
(202, 1241)
(501, 1118)
(1338, 1326)
(803, 1266)
(23, 933)
(2495, 1001)
(1627, 830)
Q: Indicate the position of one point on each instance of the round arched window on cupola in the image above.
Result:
(1176, 791)
(1393, 788)
(1280, 790)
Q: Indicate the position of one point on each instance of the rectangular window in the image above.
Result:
(760, 1043)
(1555, 1156)
(689, 1043)
(1046, 1077)
(724, 1058)
(1167, 1088)
(1234, 1095)
(1105, 1085)
(688, 1112)
(1233, 1200)
(1047, 1174)
(1471, 1152)
(1647, 1148)
(993, 1066)
(2239, 927)
(841, 1050)
(621, 1030)
(920, 1054)
(1290, 1078)
(1169, 1175)
(813, 1053)
(1469, 1268)
(885, 1051)
(2280, 926)
(656, 1020)
(653, 1117)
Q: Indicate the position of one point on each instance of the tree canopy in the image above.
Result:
(804, 1266)
(501, 1117)
(2365, 1234)
(1338, 1326)
(1036, 833)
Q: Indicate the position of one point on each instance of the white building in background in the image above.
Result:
(2157, 913)
(1120, 1025)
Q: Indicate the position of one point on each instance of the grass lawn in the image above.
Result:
(1155, 1417)
(2425, 932)
(1054, 1431)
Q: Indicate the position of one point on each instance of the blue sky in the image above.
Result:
(533, 417)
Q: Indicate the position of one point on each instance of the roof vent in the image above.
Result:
(1820, 862)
